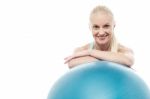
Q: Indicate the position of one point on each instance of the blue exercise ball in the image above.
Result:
(100, 80)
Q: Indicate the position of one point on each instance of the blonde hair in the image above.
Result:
(100, 8)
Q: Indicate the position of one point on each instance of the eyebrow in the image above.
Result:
(95, 25)
(103, 25)
(107, 24)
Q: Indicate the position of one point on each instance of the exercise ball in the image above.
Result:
(100, 80)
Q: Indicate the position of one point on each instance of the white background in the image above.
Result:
(36, 36)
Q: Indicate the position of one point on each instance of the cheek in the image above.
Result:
(94, 33)
(109, 31)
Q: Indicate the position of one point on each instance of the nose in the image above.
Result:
(101, 32)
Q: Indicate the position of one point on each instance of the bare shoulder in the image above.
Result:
(124, 49)
(81, 48)
(128, 52)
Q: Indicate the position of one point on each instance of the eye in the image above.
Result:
(95, 26)
(106, 26)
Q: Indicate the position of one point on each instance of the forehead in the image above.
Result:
(101, 18)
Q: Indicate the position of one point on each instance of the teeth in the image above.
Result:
(102, 36)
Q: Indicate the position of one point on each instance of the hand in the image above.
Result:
(67, 59)
(78, 54)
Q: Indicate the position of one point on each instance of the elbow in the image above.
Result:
(130, 62)
(70, 65)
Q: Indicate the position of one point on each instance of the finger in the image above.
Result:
(66, 61)
(66, 58)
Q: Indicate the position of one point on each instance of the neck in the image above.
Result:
(103, 47)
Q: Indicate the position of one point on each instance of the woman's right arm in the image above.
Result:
(80, 60)
(77, 61)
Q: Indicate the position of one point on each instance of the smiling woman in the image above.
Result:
(105, 46)
(102, 26)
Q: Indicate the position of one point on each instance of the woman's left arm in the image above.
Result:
(124, 56)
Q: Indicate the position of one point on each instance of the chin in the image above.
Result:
(102, 42)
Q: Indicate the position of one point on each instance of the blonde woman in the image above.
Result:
(105, 46)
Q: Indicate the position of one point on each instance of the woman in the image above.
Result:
(105, 46)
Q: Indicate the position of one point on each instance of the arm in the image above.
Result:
(80, 60)
(124, 56)
(80, 56)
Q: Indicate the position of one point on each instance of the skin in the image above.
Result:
(102, 27)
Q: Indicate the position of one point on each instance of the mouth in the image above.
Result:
(103, 37)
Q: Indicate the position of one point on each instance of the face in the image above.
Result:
(102, 26)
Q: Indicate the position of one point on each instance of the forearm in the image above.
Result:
(80, 60)
(112, 56)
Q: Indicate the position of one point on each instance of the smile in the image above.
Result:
(103, 37)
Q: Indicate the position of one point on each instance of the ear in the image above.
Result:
(90, 26)
(114, 24)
